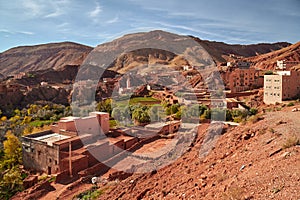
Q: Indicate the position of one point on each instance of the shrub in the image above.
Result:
(290, 104)
(268, 72)
(253, 111)
(290, 142)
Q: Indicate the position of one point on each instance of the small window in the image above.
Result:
(50, 160)
(55, 162)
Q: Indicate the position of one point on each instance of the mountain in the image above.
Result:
(221, 51)
(57, 55)
(160, 47)
(269, 60)
(42, 57)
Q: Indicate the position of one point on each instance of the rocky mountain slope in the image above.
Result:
(221, 51)
(56, 55)
(42, 57)
(268, 60)
(252, 161)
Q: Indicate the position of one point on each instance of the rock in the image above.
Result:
(242, 167)
(285, 154)
(275, 152)
(247, 136)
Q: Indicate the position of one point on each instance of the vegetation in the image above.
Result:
(290, 142)
(90, 194)
(10, 161)
(269, 72)
(17, 123)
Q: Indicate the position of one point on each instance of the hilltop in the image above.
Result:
(268, 60)
(221, 51)
(41, 57)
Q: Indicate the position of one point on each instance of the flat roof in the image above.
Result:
(99, 113)
(51, 138)
(160, 124)
(69, 118)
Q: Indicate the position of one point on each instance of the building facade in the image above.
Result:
(282, 86)
(243, 79)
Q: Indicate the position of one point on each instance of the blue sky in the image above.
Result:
(92, 22)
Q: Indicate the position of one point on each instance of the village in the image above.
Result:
(78, 147)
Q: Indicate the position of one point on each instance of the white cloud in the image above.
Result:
(96, 11)
(6, 31)
(33, 8)
(114, 20)
(16, 32)
(56, 13)
(59, 8)
(25, 32)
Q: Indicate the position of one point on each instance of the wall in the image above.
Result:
(38, 156)
(272, 89)
(67, 125)
(281, 87)
(243, 79)
(103, 120)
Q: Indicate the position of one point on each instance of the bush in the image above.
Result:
(253, 111)
(268, 72)
(290, 142)
(290, 104)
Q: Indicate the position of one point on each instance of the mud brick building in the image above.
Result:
(75, 145)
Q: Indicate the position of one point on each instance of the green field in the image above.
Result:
(138, 100)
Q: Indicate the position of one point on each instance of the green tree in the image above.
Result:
(105, 106)
(10, 182)
(12, 150)
(140, 115)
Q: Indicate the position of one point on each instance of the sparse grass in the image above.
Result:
(278, 108)
(234, 193)
(290, 142)
(253, 119)
(42, 177)
(93, 193)
(38, 123)
(221, 177)
(262, 131)
(290, 104)
(136, 100)
(276, 189)
(52, 179)
(271, 130)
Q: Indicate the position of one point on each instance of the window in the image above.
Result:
(50, 160)
(55, 162)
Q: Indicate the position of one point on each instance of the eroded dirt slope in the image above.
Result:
(248, 162)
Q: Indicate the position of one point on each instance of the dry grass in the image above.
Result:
(291, 141)
(234, 193)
